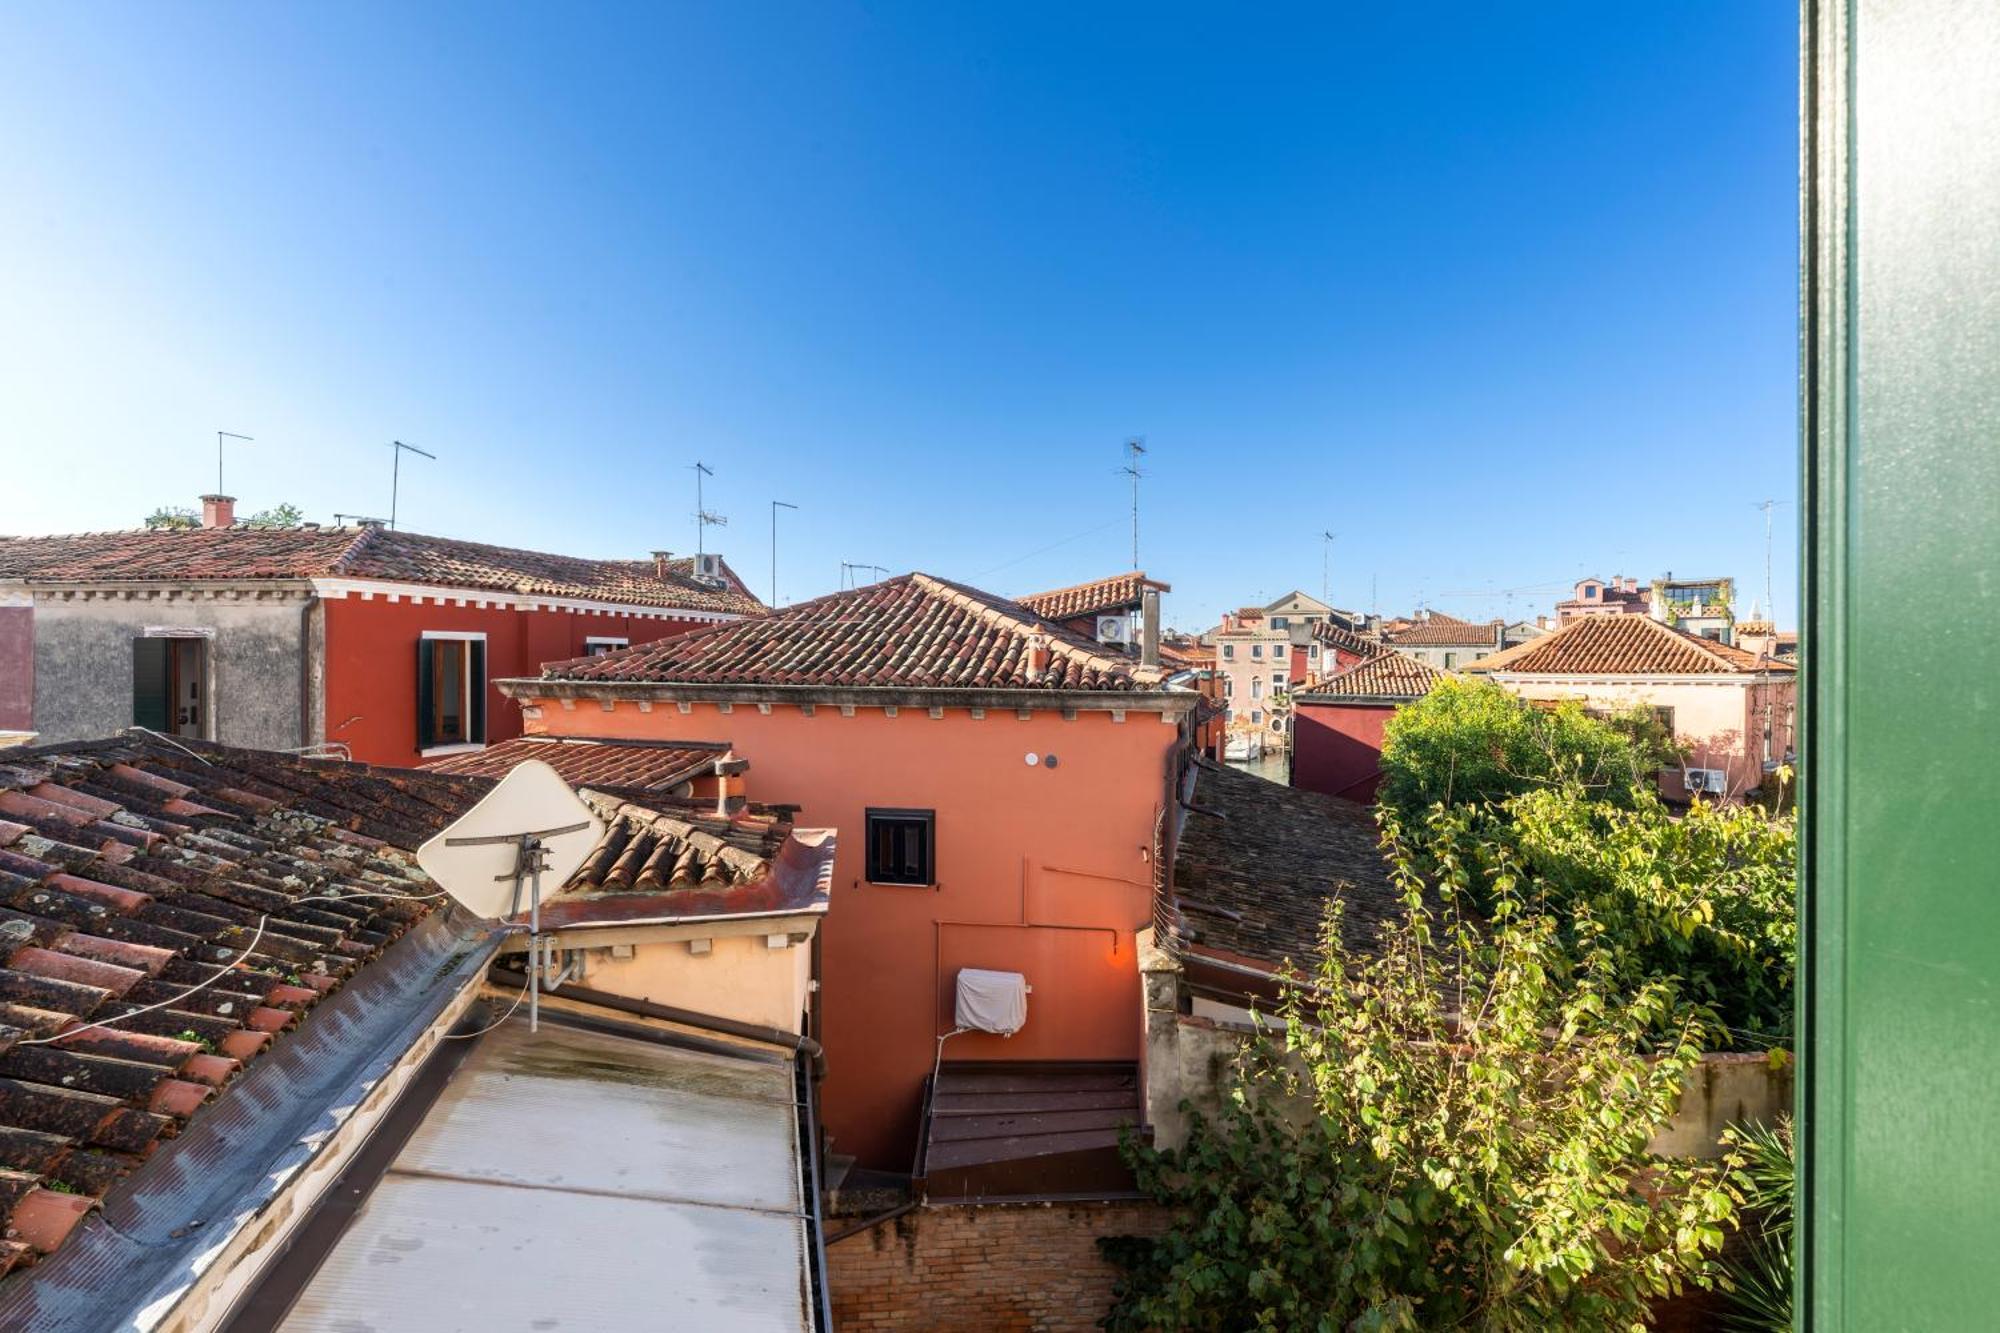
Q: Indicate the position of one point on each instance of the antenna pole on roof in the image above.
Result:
(1325, 556)
(220, 436)
(396, 474)
(703, 520)
(1135, 449)
(776, 505)
(1770, 607)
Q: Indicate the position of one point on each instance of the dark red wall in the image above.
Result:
(1337, 748)
(371, 663)
(17, 668)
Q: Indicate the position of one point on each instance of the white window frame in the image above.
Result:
(465, 702)
(608, 642)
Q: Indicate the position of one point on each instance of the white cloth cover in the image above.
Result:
(992, 1001)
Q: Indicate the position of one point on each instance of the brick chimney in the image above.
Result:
(660, 559)
(1038, 656)
(218, 511)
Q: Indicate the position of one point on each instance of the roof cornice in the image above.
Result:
(1165, 701)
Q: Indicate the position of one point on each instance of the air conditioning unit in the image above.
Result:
(708, 569)
(1114, 629)
(1712, 781)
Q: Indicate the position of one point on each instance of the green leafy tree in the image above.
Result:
(278, 516)
(1450, 1135)
(1468, 742)
(167, 517)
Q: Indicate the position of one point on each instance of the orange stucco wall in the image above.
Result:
(371, 662)
(1043, 871)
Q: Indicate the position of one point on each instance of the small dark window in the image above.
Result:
(900, 847)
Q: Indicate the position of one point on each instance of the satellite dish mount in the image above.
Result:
(531, 858)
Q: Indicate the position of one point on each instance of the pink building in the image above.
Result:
(1731, 709)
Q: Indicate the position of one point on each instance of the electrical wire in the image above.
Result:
(162, 736)
(263, 920)
(467, 1036)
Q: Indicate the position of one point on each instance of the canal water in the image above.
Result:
(1272, 766)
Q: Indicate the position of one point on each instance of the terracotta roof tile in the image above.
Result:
(585, 761)
(1330, 635)
(1391, 675)
(1117, 593)
(912, 632)
(94, 929)
(1626, 646)
(363, 553)
(1438, 630)
(1258, 861)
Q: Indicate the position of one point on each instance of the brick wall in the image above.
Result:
(1009, 1268)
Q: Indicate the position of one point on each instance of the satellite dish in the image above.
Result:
(478, 859)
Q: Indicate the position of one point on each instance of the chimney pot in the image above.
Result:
(218, 511)
(1038, 655)
(1149, 627)
(660, 559)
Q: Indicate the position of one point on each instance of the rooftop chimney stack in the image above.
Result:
(1149, 627)
(1038, 656)
(218, 511)
(660, 559)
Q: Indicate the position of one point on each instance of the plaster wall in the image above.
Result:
(1041, 870)
(83, 662)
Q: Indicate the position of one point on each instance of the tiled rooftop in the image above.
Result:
(131, 870)
(359, 553)
(1438, 630)
(1626, 646)
(1258, 862)
(669, 864)
(1329, 635)
(1120, 592)
(585, 761)
(911, 632)
(1390, 675)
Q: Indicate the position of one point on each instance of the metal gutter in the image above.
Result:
(794, 1042)
(184, 1235)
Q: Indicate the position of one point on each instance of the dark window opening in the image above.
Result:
(451, 692)
(169, 685)
(901, 849)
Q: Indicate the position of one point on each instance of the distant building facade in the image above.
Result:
(1255, 661)
(381, 642)
(1338, 723)
(1446, 642)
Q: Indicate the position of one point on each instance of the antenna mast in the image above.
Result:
(703, 519)
(1770, 607)
(1135, 449)
(1325, 556)
(776, 505)
(220, 436)
(396, 474)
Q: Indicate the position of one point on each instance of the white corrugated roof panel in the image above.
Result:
(572, 1180)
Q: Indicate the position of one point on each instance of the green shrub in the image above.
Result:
(1469, 742)
(1451, 1134)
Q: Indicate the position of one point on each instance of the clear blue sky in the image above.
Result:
(1499, 294)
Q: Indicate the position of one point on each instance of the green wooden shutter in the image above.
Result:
(1900, 934)
(475, 677)
(150, 706)
(426, 694)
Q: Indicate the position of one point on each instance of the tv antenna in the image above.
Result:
(530, 825)
(850, 568)
(1325, 557)
(776, 505)
(220, 436)
(1770, 607)
(703, 519)
(396, 473)
(1135, 449)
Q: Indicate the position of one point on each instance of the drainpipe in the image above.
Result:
(797, 1043)
(306, 613)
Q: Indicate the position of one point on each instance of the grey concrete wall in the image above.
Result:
(1189, 1059)
(83, 663)
(17, 663)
